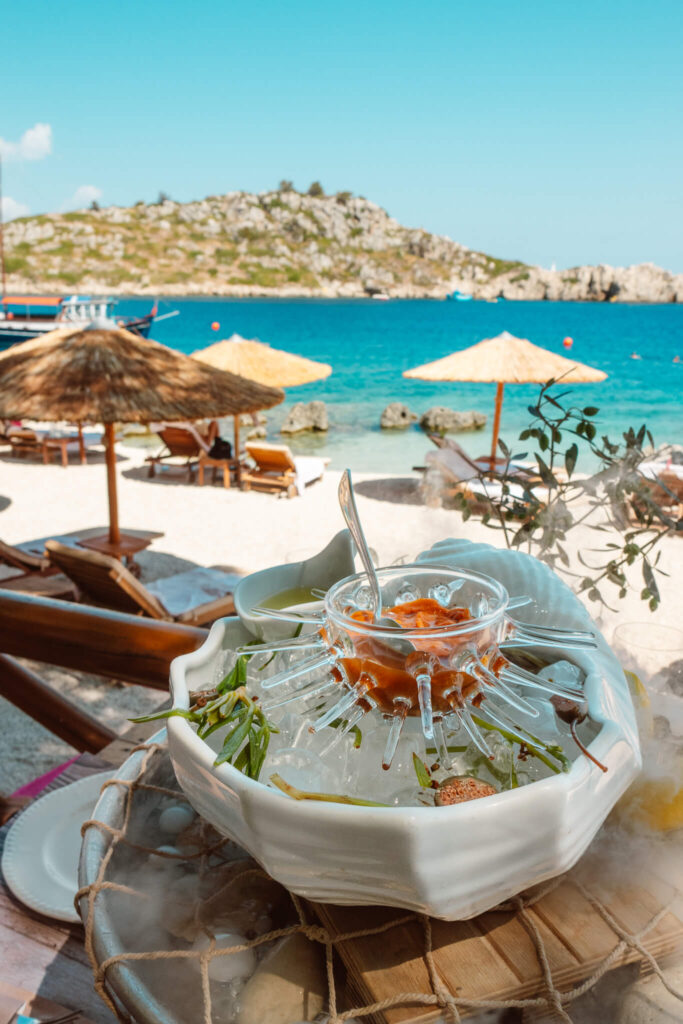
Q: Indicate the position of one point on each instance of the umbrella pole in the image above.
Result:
(110, 454)
(496, 422)
(236, 452)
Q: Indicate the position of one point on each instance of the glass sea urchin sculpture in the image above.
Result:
(437, 653)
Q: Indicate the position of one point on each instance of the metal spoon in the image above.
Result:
(347, 503)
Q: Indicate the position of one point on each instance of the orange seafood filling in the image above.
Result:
(384, 675)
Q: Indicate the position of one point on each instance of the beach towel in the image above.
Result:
(189, 589)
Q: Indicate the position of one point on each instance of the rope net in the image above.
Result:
(146, 894)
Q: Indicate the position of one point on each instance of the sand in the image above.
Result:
(212, 526)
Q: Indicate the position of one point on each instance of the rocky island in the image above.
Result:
(288, 244)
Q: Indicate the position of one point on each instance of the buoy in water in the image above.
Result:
(215, 326)
(568, 342)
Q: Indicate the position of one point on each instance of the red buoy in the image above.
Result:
(215, 326)
(568, 342)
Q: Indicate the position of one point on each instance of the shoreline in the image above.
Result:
(16, 285)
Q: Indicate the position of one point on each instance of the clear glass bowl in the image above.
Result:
(437, 651)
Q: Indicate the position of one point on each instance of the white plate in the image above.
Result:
(40, 858)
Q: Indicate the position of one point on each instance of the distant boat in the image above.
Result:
(459, 296)
(23, 317)
(381, 298)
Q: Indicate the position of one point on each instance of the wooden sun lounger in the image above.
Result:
(484, 465)
(19, 559)
(180, 443)
(25, 442)
(34, 574)
(103, 580)
(276, 469)
(460, 476)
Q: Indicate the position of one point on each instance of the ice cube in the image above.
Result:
(362, 597)
(175, 819)
(439, 592)
(406, 594)
(479, 607)
(232, 966)
(300, 768)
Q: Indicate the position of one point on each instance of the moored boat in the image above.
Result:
(23, 317)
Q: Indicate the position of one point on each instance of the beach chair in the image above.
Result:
(24, 442)
(196, 597)
(24, 573)
(277, 471)
(460, 475)
(482, 464)
(181, 441)
(18, 559)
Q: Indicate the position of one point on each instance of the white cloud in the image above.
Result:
(83, 196)
(34, 144)
(11, 209)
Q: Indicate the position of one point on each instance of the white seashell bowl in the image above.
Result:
(450, 862)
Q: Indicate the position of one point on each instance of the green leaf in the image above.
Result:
(422, 771)
(591, 410)
(191, 716)
(235, 739)
(230, 681)
(544, 472)
(649, 580)
(570, 457)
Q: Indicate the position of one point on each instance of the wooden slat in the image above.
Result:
(380, 966)
(93, 640)
(514, 947)
(584, 931)
(30, 694)
(30, 958)
(493, 956)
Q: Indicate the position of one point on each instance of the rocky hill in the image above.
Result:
(285, 243)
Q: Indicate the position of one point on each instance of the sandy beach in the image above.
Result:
(247, 531)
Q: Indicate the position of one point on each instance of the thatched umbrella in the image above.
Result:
(258, 361)
(108, 375)
(506, 360)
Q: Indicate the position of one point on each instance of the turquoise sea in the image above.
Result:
(370, 343)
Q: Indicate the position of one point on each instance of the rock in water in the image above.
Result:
(254, 424)
(305, 416)
(289, 985)
(441, 420)
(396, 416)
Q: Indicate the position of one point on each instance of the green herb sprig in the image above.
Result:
(228, 706)
(327, 798)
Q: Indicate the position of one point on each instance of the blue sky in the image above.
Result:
(545, 132)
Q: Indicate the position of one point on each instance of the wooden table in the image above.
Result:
(227, 465)
(61, 444)
(48, 957)
(97, 539)
(128, 544)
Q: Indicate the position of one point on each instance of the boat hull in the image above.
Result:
(12, 332)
